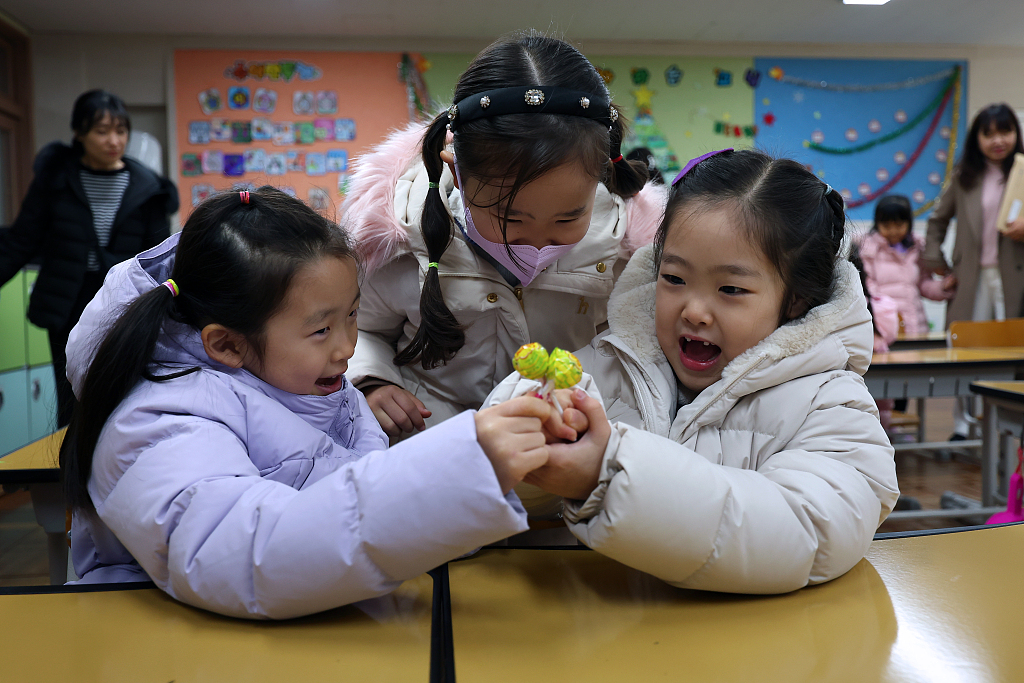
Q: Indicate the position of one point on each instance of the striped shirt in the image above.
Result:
(104, 190)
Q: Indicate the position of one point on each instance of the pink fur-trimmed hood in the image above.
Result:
(372, 216)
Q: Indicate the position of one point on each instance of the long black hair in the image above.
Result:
(797, 220)
(972, 164)
(516, 147)
(233, 265)
(90, 108)
(895, 208)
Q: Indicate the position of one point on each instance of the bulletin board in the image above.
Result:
(866, 127)
(289, 119)
(678, 107)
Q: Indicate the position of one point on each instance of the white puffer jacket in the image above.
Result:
(774, 477)
(564, 306)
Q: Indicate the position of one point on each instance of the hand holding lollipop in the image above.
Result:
(557, 370)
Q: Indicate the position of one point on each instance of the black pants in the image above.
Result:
(59, 340)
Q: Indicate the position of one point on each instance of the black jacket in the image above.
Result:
(56, 224)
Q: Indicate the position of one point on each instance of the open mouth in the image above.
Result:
(329, 384)
(698, 355)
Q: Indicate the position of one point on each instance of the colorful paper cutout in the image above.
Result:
(238, 97)
(241, 132)
(303, 102)
(337, 160)
(198, 132)
(284, 133)
(262, 129)
(344, 130)
(723, 78)
(305, 133)
(264, 101)
(191, 165)
(201, 192)
(319, 200)
(255, 160)
(213, 161)
(234, 165)
(220, 130)
(323, 129)
(326, 102)
(752, 77)
(277, 163)
(210, 101)
(316, 163)
(673, 75)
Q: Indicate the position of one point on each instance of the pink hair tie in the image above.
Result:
(171, 285)
(244, 194)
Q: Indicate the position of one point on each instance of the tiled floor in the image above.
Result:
(23, 543)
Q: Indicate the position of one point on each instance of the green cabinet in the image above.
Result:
(12, 324)
(37, 342)
(28, 402)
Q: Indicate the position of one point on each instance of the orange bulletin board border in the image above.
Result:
(292, 119)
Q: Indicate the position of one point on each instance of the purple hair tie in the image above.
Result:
(693, 162)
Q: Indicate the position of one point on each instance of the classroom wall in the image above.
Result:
(140, 69)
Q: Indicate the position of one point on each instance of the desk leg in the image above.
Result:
(989, 454)
(920, 421)
(48, 504)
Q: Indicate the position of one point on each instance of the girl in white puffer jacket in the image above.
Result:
(746, 453)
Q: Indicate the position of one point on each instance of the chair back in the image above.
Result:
(986, 333)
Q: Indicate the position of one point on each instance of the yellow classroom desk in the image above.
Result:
(36, 466)
(1003, 421)
(144, 635)
(930, 608)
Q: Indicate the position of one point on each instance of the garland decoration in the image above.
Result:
(951, 150)
(910, 161)
(940, 98)
(780, 76)
(410, 72)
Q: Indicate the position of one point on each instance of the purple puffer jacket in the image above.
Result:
(246, 500)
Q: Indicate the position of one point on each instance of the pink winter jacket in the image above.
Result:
(897, 275)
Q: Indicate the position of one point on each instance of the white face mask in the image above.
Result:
(529, 261)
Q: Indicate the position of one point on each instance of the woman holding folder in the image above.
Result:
(988, 258)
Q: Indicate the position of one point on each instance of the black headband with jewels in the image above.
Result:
(532, 99)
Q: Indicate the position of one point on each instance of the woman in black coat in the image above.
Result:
(88, 207)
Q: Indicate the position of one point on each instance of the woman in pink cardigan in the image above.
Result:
(890, 253)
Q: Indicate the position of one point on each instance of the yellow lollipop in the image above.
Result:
(564, 369)
(531, 361)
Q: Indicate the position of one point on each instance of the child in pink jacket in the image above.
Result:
(890, 253)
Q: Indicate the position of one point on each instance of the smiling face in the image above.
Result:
(104, 144)
(995, 144)
(310, 339)
(553, 209)
(716, 295)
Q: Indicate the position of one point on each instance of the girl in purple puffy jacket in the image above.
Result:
(218, 449)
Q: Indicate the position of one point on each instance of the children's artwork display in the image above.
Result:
(288, 119)
(866, 127)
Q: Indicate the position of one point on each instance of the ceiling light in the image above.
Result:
(865, 2)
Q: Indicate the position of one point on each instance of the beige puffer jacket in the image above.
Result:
(774, 477)
(566, 305)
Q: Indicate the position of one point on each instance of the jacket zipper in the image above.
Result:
(721, 393)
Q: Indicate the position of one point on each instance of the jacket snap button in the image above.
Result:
(601, 267)
(492, 297)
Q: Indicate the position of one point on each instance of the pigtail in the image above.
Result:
(626, 178)
(121, 360)
(439, 336)
(838, 217)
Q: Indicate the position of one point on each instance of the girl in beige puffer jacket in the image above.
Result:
(746, 453)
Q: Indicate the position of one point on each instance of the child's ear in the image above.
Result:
(449, 158)
(796, 308)
(224, 346)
